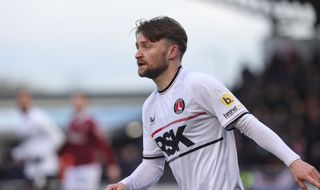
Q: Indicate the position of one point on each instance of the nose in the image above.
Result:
(138, 54)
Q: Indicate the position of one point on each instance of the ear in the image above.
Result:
(173, 52)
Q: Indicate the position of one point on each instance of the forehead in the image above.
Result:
(24, 95)
(141, 38)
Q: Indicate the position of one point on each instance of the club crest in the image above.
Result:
(179, 106)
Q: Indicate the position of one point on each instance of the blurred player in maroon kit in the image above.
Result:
(84, 151)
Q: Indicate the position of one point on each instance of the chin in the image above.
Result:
(146, 75)
(141, 74)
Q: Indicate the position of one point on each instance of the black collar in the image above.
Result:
(174, 78)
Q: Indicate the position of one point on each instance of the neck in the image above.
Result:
(79, 111)
(163, 80)
(24, 110)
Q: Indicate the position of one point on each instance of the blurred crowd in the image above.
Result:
(286, 97)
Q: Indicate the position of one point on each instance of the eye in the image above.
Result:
(146, 46)
(137, 46)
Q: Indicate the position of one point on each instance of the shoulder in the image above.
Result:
(149, 100)
(40, 116)
(84, 117)
(89, 118)
(199, 80)
(39, 113)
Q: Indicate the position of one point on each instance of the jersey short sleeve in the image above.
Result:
(217, 99)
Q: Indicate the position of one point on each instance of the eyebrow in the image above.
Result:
(142, 42)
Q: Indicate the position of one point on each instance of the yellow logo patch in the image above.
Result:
(227, 100)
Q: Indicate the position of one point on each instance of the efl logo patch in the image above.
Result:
(179, 106)
(227, 100)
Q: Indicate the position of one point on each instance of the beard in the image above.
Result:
(154, 72)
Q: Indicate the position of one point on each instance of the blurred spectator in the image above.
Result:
(285, 96)
(272, 177)
(86, 147)
(40, 140)
(129, 159)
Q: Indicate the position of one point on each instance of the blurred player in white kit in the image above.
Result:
(40, 139)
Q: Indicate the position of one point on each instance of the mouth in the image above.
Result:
(140, 63)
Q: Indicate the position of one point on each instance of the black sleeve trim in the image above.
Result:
(152, 157)
(230, 126)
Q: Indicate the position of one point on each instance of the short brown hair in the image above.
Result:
(158, 28)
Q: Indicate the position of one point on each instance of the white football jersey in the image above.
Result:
(189, 123)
